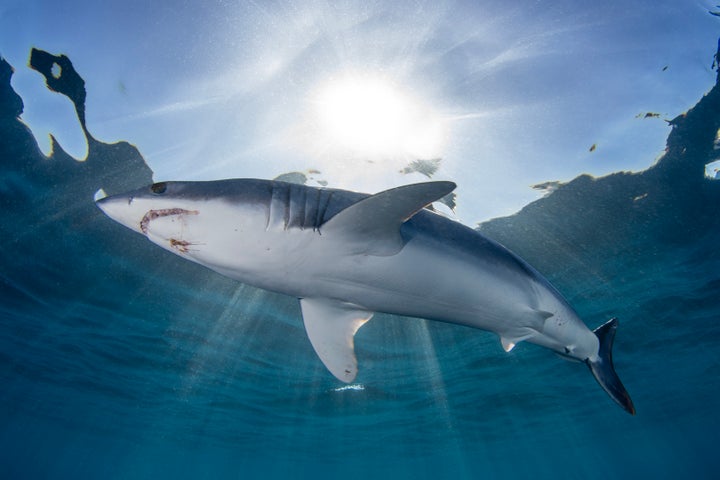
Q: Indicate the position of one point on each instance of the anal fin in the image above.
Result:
(510, 340)
(507, 344)
(331, 326)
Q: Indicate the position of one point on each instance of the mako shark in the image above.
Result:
(346, 255)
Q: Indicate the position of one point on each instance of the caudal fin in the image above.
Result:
(603, 370)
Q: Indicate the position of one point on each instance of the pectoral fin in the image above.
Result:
(331, 326)
(372, 225)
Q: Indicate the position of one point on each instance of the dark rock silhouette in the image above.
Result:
(114, 167)
(58, 247)
(574, 234)
(47, 213)
(11, 105)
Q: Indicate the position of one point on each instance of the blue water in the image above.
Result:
(122, 361)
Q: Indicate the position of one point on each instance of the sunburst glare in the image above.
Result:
(371, 116)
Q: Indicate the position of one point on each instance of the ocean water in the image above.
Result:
(122, 361)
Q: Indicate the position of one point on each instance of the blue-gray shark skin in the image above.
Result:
(346, 255)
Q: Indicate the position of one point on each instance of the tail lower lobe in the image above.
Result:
(604, 371)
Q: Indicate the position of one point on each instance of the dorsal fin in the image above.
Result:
(372, 225)
(331, 326)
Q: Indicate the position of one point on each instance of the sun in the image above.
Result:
(372, 116)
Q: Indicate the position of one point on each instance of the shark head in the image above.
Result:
(187, 218)
(135, 209)
(161, 211)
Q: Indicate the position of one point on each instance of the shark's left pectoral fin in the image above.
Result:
(331, 327)
(372, 225)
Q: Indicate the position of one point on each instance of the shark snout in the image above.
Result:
(120, 209)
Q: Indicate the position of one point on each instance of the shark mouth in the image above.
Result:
(165, 212)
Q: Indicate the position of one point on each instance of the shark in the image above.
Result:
(347, 255)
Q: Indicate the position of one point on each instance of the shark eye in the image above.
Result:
(159, 188)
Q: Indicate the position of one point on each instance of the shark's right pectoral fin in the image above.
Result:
(331, 327)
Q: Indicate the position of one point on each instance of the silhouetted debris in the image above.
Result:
(648, 115)
(292, 177)
(426, 167)
(302, 178)
(449, 200)
(629, 216)
(60, 76)
(547, 187)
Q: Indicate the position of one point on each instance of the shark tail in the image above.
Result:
(603, 370)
